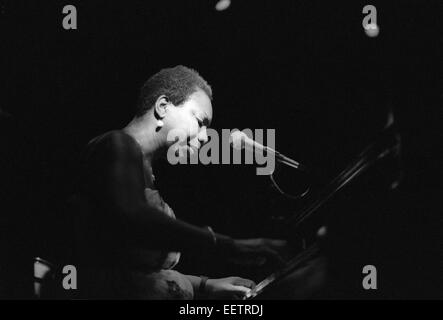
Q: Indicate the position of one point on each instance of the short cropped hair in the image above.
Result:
(176, 83)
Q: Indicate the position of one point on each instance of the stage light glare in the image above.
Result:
(222, 5)
(372, 30)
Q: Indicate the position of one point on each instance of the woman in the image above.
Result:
(128, 237)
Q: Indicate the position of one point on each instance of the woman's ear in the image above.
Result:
(161, 104)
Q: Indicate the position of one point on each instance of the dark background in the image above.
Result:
(305, 68)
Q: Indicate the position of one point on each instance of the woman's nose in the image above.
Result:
(203, 135)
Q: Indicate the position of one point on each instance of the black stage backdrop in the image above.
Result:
(305, 68)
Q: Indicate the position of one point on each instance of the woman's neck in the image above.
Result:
(142, 130)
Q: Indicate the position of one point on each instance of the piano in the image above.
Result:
(311, 270)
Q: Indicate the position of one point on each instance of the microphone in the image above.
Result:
(239, 140)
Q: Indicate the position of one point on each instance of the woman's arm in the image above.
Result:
(224, 288)
(195, 281)
(118, 185)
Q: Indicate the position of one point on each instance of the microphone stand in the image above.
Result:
(289, 162)
(281, 158)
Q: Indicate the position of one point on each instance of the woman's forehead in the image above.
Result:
(200, 101)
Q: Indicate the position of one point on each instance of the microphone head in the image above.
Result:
(237, 139)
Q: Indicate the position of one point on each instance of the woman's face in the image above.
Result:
(190, 119)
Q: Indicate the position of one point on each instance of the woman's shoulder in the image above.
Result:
(112, 137)
(114, 142)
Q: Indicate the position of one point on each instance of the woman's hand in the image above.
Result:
(228, 288)
(260, 251)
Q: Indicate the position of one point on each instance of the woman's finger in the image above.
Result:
(244, 282)
(240, 290)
